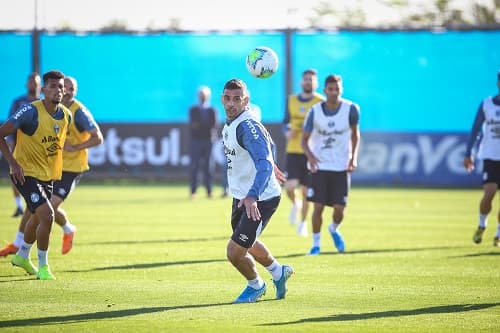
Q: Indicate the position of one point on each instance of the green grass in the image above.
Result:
(147, 259)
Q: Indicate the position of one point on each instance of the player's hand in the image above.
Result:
(69, 147)
(290, 134)
(280, 175)
(313, 163)
(251, 208)
(468, 163)
(17, 173)
(352, 165)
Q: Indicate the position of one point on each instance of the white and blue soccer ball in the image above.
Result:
(262, 62)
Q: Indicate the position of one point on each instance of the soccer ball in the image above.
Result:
(262, 62)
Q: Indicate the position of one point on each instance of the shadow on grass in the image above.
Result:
(388, 314)
(84, 317)
(157, 241)
(208, 261)
(484, 254)
(361, 251)
(149, 265)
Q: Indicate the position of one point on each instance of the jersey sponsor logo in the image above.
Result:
(50, 138)
(252, 128)
(54, 147)
(21, 111)
(243, 238)
(135, 150)
(34, 197)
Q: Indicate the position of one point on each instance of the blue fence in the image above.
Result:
(411, 86)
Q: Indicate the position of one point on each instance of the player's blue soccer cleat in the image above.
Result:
(250, 295)
(286, 272)
(314, 251)
(338, 241)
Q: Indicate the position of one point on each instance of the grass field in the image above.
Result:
(147, 259)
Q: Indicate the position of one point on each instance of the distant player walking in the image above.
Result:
(486, 128)
(331, 141)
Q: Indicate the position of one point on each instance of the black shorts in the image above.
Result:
(491, 172)
(245, 230)
(329, 187)
(296, 167)
(35, 192)
(67, 183)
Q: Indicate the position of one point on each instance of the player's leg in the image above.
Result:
(317, 222)
(206, 167)
(261, 253)
(304, 181)
(489, 190)
(302, 227)
(339, 184)
(22, 258)
(12, 248)
(290, 189)
(496, 239)
(62, 190)
(333, 228)
(18, 199)
(293, 180)
(317, 194)
(280, 273)
(245, 264)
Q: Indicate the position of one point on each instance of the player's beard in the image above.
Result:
(307, 90)
(56, 100)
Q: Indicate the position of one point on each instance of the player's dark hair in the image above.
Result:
(498, 75)
(333, 78)
(234, 84)
(311, 71)
(56, 75)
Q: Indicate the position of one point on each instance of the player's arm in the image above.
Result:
(474, 134)
(24, 119)
(355, 137)
(306, 134)
(252, 138)
(285, 127)
(7, 129)
(85, 122)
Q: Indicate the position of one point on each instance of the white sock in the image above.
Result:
(275, 270)
(498, 230)
(483, 221)
(333, 227)
(19, 239)
(19, 201)
(43, 257)
(316, 239)
(25, 249)
(256, 283)
(68, 228)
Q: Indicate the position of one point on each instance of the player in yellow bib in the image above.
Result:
(296, 170)
(83, 134)
(36, 162)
